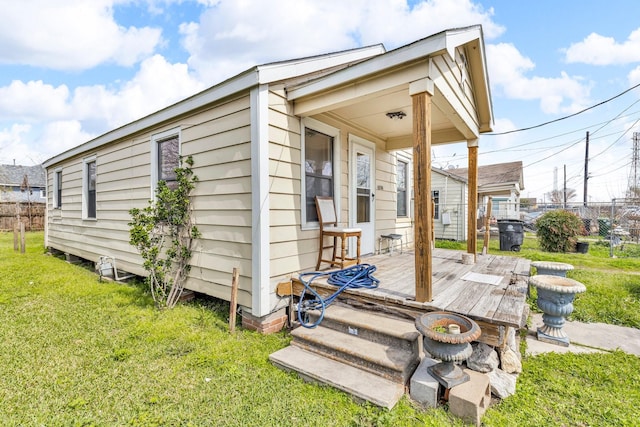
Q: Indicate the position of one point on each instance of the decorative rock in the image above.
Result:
(510, 361)
(483, 359)
(512, 343)
(503, 385)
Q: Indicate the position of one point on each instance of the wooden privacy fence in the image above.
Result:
(31, 215)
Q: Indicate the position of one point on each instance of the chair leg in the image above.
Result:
(333, 257)
(343, 251)
(358, 249)
(320, 253)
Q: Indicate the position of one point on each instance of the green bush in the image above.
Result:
(558, 231)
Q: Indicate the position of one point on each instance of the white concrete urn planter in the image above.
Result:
(552, 268)
(555, 299)
(448, 336)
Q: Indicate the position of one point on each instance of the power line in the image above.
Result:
(565, 117)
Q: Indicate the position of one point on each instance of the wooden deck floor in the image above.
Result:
(457, 287)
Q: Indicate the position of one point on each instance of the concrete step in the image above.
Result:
(374, 327)
(393, 363)
(358, 383)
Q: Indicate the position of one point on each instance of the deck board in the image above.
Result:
(502, 304)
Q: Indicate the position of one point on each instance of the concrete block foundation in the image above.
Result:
(470, 400)
(423, 388)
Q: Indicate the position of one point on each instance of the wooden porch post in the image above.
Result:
(421, 93)
(472, 146)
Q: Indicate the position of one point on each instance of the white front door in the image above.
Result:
(362, 192)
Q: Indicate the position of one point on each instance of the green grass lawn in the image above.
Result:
(78, 352)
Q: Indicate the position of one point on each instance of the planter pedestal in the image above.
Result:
(555, 299)
(451, 348)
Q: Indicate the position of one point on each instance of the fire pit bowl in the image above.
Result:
(442, 340)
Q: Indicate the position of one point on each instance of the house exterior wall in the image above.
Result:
(294, 249)
(453, 79)
(453, 202)
(218, 138)
(9, 193)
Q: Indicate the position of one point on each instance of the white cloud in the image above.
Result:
(60, 136)
(235, 35)
(12, 146)
(508, 70)
(600, 50)
(33, 100)
(70, 34)
(634, 76)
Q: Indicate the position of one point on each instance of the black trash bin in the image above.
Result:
(511, 234)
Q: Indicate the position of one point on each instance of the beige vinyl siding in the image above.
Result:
(294, 250)
(122, 181)
(218, 137)
(453, 201)
(455, 83)
(291, 248)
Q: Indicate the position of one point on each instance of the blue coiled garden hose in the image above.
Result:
(359, 276)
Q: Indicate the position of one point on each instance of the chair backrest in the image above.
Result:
(326, 210)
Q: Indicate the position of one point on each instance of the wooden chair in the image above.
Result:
(329, 228)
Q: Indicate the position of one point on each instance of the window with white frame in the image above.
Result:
(57, 189)
(165, 152)
(89, 188)
(402, 171)
(319, 157)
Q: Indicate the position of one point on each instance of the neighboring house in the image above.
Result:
(449, 193)
(22, 184)
(264, 143)
(503, 182)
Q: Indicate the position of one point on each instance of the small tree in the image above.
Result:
(163, 233)
(558, 231)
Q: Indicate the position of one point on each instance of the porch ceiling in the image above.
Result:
(370, 115)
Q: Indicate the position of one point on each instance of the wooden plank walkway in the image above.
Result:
(502, 303)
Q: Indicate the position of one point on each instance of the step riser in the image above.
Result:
(358, 361)
(368, 334)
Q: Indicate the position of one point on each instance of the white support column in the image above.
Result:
(260, 256)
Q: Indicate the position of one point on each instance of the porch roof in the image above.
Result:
(363, 93)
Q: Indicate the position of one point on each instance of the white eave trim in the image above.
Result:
(446, 40)
(277, 71)
(262, 74)
(236, 84)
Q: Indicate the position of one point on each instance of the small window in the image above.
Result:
(57, 192)
(318, 167)
(401, 188)
(168, 160)
(43, 193)
(435, 195)
(90, 189)
(165, 159)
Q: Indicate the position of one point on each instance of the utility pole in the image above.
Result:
(564, 188)
(586, 169)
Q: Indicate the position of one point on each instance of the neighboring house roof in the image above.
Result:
(448, 173)
(497, 178)
(13, 175)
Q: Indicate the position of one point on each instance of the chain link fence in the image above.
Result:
(614, 224)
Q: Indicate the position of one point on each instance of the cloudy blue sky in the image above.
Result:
(73, 69)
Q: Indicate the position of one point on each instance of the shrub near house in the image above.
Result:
(558, 231)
